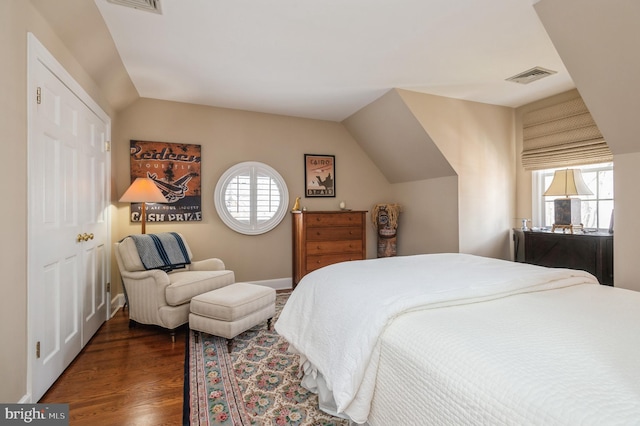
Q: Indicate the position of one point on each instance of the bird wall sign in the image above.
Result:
(175, 169)
(320, 175)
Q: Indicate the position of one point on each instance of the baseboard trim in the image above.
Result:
(117, 302)
(277, 283)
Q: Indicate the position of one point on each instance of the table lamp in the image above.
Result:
(567, 183)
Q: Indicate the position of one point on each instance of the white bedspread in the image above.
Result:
(336, 314)
(562, 357)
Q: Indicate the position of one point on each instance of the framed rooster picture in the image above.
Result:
(320, 175)
(175, 169)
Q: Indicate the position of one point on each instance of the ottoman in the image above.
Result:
(230, 310)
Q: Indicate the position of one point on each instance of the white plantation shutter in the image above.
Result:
(251, 198)
(562, 135)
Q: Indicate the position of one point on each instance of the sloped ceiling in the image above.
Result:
(396, 142)
(599, 42)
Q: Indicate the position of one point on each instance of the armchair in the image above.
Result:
(162, 298)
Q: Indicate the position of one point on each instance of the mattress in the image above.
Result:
(569, 356)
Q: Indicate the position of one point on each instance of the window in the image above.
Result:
(596, 209)
(251, 198)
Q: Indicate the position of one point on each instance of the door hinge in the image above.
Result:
(38, 95)
(108, 287)
(37, 349)
(107, 146)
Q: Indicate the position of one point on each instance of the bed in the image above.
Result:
(462, 339)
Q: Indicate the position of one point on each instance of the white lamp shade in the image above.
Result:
(567, 182)
(143, 190)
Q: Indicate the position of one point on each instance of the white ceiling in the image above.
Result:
(326, 59)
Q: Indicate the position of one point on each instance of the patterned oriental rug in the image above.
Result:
(257, 384)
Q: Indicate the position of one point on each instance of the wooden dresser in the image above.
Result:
(321, 238)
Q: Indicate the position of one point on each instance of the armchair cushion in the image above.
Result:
(186, 284)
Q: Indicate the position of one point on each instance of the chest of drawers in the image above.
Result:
(322, 238)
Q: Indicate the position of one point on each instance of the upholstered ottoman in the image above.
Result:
(230, 310)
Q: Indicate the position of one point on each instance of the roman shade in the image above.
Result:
(562, 135)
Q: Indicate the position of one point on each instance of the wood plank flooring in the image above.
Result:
(125, 376)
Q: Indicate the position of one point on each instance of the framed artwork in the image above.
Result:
(175, 169)
(319, 175)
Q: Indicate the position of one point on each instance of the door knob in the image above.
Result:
(84, 237)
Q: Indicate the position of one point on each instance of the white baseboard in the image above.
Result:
(117, 302)
(25, 399)
(277, 283)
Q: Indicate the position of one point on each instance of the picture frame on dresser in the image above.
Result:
(319, 175)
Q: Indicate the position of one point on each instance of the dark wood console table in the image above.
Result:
(590, 251)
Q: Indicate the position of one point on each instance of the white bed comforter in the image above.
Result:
(336, 314)
(555, 358)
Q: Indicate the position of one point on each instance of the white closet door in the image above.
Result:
(68, 238)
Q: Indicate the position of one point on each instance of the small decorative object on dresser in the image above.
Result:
(296, 205)
(321, 238)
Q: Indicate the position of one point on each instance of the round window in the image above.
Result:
(251, 198)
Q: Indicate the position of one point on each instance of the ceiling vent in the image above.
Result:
(533, 74)
(148, 5)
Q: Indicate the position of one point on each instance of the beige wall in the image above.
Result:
(17, 17)
(228, 137)
(478, 141)
(429, 218)
(626, 207)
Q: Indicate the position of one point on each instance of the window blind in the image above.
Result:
(562, 135)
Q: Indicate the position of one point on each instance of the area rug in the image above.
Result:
(256, 384)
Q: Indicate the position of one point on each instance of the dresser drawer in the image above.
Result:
(325, 247)
(334, 219)
(334, 233)
(317, 262)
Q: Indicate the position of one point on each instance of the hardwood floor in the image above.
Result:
(124, 376)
